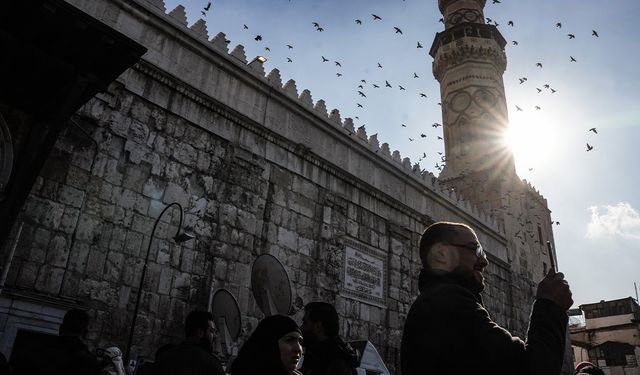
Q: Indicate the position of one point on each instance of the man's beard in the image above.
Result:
(206, 344)
(468, 280)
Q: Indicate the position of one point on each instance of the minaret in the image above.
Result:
(469, 61)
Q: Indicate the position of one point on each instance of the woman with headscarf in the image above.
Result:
(274, 348)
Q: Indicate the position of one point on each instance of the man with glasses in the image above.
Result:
(448, 330)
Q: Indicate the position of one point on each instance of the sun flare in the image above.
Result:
(532, 139)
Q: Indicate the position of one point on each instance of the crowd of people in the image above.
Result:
(447, 331)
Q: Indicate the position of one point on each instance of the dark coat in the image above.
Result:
(58, 355)
(330, 357)
(449, 332)
(187, 358)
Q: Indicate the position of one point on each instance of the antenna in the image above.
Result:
(226, 313)
(636, 288)
(271, 286)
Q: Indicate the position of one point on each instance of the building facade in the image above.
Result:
(610, 336)
(259, 167)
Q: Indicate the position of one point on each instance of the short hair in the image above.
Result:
(441, 231)
(197, 320)
(75, 322)
(326, 314)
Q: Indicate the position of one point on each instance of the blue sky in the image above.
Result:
(592, 194)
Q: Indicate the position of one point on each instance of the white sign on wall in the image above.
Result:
(364, 273)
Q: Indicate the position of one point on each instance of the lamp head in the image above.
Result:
(183, 237)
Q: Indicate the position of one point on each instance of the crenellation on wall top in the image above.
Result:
(321, 108)
(238, 53)
(348, 125)
(257, 66)
(305, 98)
(200, 28)
(362, 133)
(385, 150)
(374, 144)
(220, 42)
(274, 78)
(290, 89)
(334, 116)
(179, 14)
(158, 4)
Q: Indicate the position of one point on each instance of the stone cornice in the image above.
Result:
(468, 51)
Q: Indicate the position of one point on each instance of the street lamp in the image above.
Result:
(179, 237)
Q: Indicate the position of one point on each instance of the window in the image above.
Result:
(613, 353)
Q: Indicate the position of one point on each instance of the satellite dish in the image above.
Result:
(271, 286)
(226, 313)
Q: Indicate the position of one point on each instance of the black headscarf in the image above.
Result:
(260, 354)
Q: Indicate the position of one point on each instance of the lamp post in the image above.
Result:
(179, 237)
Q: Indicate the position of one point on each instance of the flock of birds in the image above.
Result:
(365, 86)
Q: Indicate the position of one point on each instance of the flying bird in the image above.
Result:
(208, 6)
(359, 105)
(324, 59)
(415, 75)
(573, 59)
(595, 33)
(496, 1)
(338, 64)
(419, 45)
(593, 130)
(423, 135)
(589, 147)
(397, 29)
(401, 88)
(403, 125)
(258, 38)
(539, 90)
(410, 139)
(553, 91)
(359, 22)
(375, 17)
(559, 25)
(518, 109)
(537, 108)
(362, 94)
(320, 29)
(515, 43)
(379, 66)
(289, 46)
(289, 59)
(339, 74)
(387, 84)
(423, 95)
(315, 24)
(539, 65)
(571, 36)
(375, 86)
(435, 125)
(510, 23)
(522, 80)
(245, 27)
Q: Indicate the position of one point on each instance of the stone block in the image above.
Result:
(88, 228)
(175, 193)
(287, 238)
(185, 154)
(58, 251)
(113, 266)
(49, 279)
(165, 281)
(133, 243)
(135, 178)
(78, 256)
(27, 276)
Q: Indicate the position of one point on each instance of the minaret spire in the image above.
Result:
(469, 61)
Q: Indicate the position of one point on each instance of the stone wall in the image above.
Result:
(257, 167)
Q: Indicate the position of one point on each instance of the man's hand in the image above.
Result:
(556, 289)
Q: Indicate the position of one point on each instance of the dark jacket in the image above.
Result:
(448, 331)
(187, 358)
(330, 357)
(57, 355)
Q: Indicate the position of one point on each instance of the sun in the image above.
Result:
(530, 136)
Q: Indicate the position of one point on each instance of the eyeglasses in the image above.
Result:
(477, 248)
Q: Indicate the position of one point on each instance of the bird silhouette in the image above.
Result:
(518, 109)
(589, 147)
(289, 59)
(397, 29)
(359, 22)
(208, 6)
(539, 65)
(338, 64)
(539, 90)
(359, 105)
(423, 95)
(289, 46)
(360, 87)
(379, 66)
(375, 86)
(320, 29)
(510, 23)
(546, 86)
(363, 81)
(245, 27)
(441, 20)
(522, 80)
(387, 84)
(203, 12)
(315, 24)
(571, 36)
(415, 75)
(401, 88)
(435, 125)
(324, 59)
(376, 17)
(496, 1)
(515, 43)
(593, 130)
(403, 125)
(537, 108)
(439, 137)
(410, 139)
(559, 25)
(258, 38)
(267, 49)
(419, 45)
(423, 135)
(595, 33)
(339, 74)
(553, 91)
(573, 59)
(362, 94)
